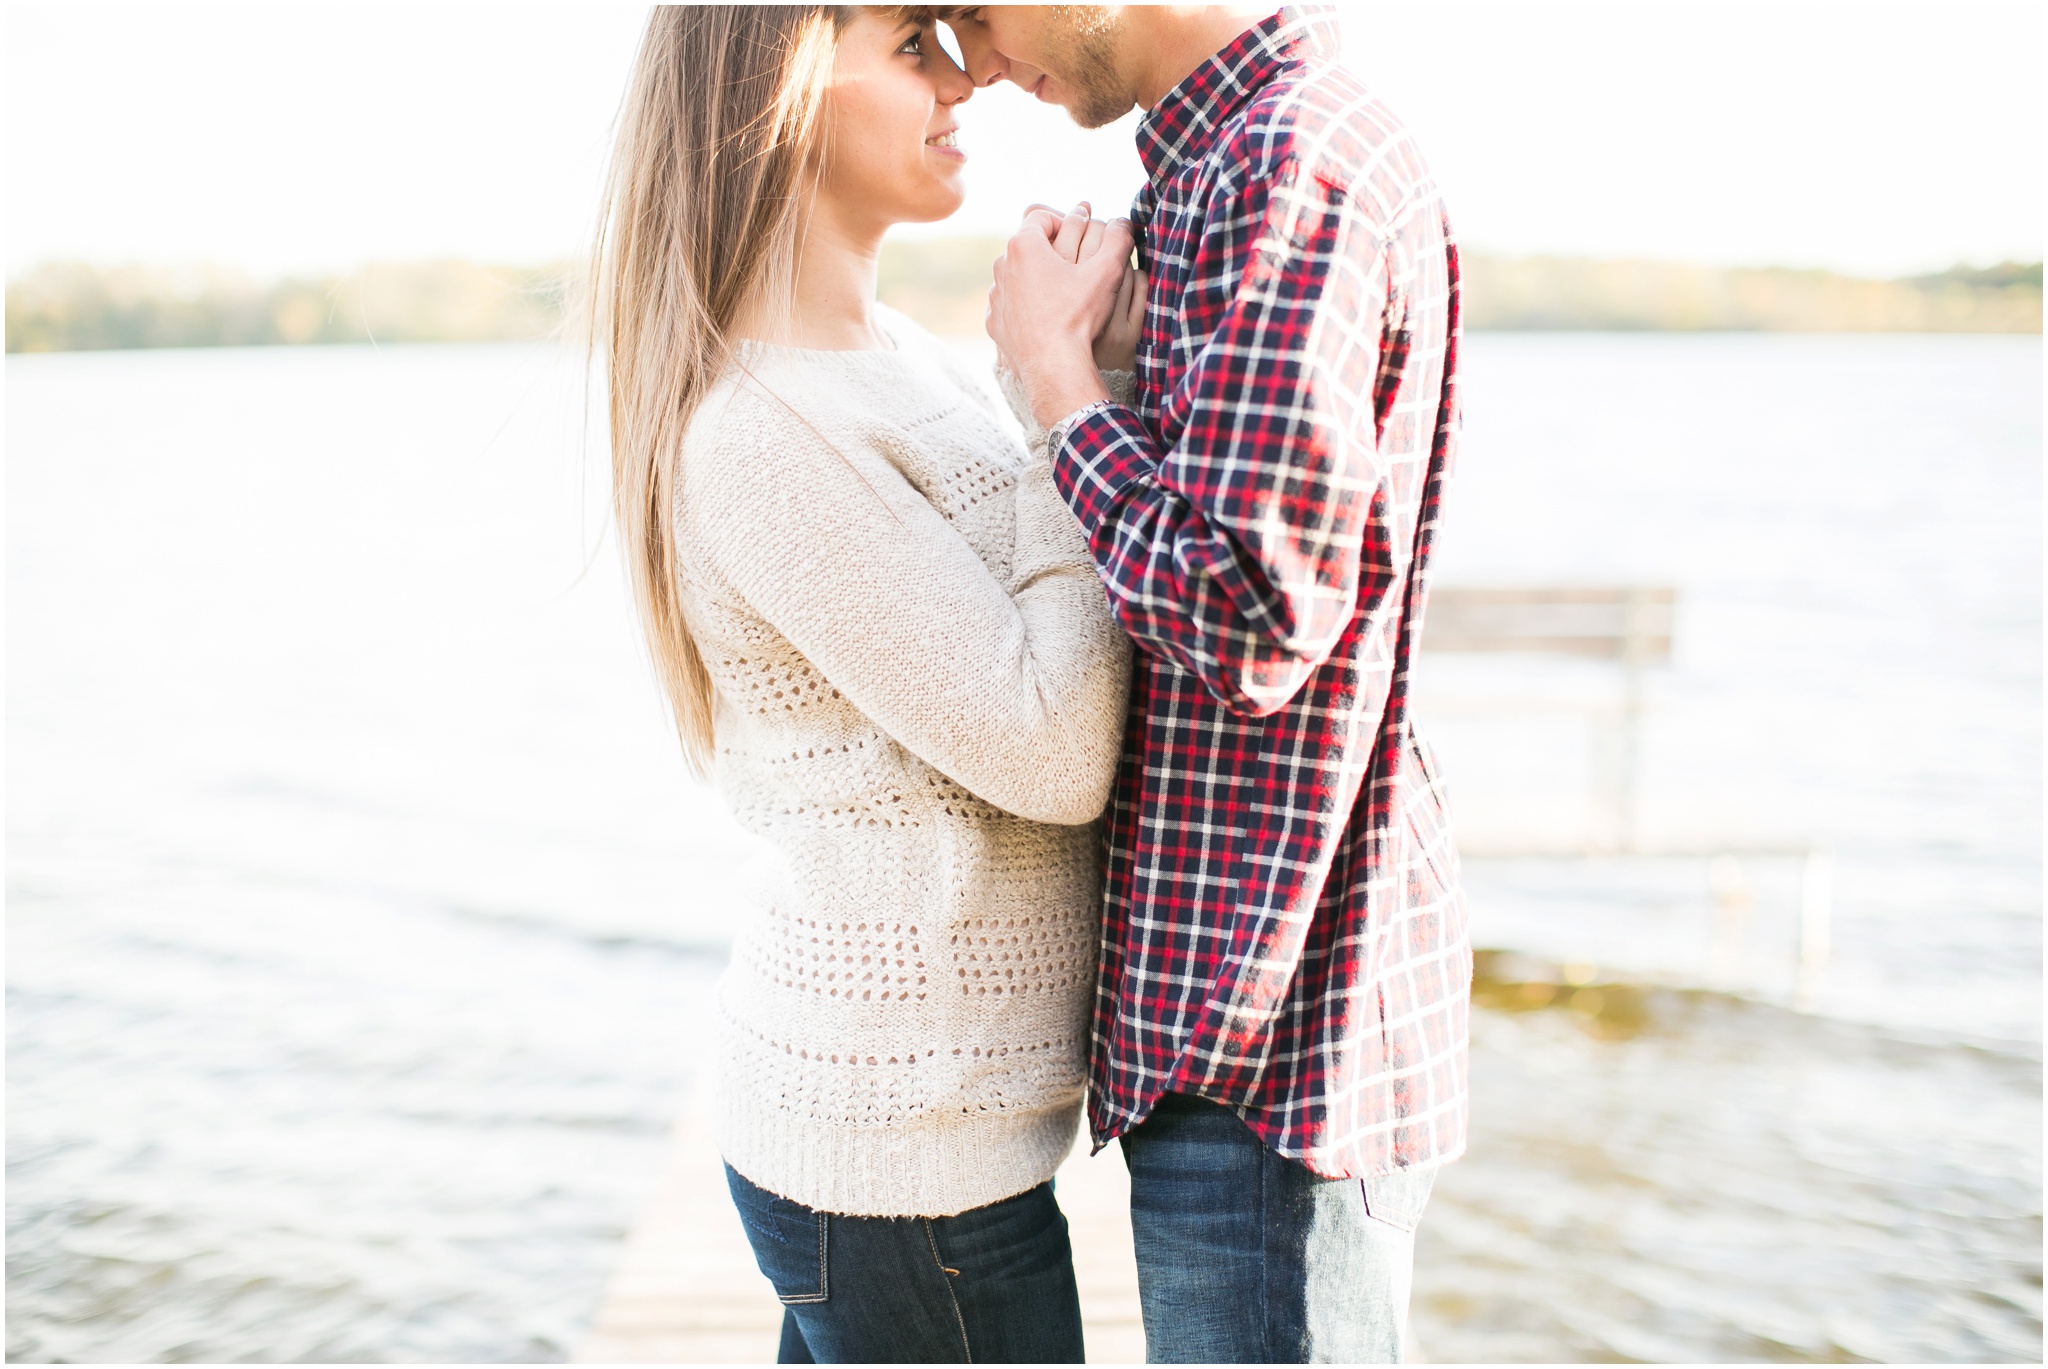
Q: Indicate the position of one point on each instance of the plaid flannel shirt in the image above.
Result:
(1284, 930)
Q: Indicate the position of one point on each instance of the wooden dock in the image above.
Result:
(686, 1290)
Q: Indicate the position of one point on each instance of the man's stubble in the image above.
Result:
(1081, 55)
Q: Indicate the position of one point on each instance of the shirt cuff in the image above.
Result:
(1098, 452)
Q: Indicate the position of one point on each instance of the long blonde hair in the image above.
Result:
(704, 212)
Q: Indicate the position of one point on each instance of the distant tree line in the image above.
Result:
(943, 283)
(70, 307)
(1563, 293)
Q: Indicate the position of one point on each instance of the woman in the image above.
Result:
(877, 623)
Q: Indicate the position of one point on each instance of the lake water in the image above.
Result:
(361, 916)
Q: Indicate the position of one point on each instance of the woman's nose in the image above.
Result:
(953, 85)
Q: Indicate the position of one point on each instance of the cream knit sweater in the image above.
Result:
(920, 700)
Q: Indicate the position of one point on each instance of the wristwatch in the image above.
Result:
(1057, 433)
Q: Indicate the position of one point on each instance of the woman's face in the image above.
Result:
(890, 123)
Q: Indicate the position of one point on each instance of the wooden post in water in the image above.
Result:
(1637, 651)
(1816, 913)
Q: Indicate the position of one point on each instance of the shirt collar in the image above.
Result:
(1183, 125)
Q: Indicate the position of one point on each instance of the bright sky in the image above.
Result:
(1861, 136)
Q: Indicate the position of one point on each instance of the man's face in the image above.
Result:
(1065, 55)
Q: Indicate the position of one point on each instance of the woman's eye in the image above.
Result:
(914, 45)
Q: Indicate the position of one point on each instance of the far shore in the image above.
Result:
(943, 283)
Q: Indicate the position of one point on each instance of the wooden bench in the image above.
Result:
(1632, 625)
(1628, 624)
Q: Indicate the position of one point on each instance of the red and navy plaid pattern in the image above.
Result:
(1284, 930)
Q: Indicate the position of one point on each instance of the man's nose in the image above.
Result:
(984, 65)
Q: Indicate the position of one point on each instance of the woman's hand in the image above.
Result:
(1116, 346)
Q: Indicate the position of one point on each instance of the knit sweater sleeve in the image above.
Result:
(1015, 691)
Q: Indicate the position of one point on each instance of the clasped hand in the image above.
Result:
(1065, 306)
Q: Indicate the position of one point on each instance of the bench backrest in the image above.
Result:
(1630, 623)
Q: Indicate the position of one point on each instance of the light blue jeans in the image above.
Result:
(1248, 1258)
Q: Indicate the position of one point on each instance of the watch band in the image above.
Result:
(1057, 433)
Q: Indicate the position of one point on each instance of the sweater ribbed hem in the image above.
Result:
(943, 1167)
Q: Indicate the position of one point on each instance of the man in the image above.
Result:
(1280, 1036)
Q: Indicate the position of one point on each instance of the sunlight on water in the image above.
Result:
(361, 915)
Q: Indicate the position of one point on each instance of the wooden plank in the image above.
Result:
(1095, 1193)
(687, 1291)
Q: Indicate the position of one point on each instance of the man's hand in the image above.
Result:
(1116, 346)
(1056, 286)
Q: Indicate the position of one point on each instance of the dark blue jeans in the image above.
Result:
(994, 1285)
(1247, 1258)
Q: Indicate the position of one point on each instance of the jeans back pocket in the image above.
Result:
(791, 1241)
(1398, 1198)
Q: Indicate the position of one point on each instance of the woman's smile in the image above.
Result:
(947, 143)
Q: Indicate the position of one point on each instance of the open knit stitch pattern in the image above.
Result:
(920, 704)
